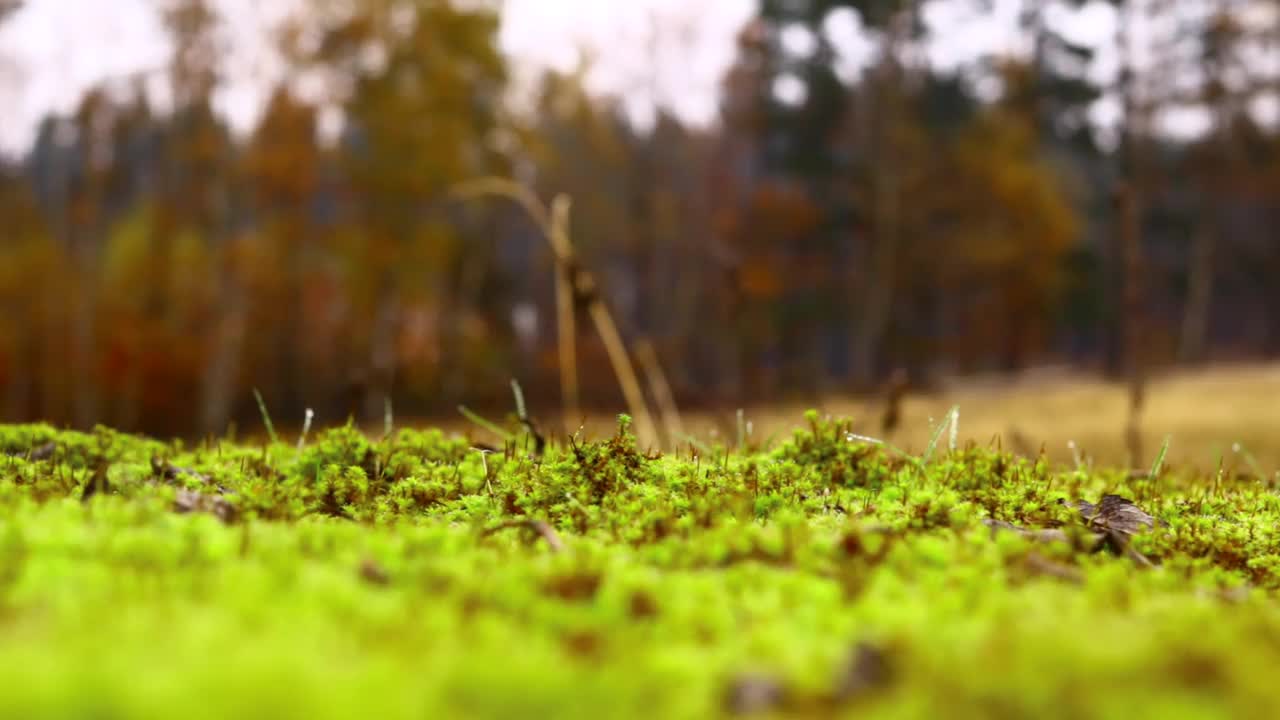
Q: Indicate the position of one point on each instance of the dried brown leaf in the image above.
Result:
(752, 694)
(373, 573)
(868, 668)
(1115, 513)
(42, 452)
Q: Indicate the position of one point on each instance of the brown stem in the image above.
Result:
(555, 227)
(672, 424)
(538, 526)
(566, 325)
(646, 432)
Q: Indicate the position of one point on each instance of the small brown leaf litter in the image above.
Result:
(1117, 518)
(1111, 523)
(642, 605)
(583, 644)
(575, 586)
(868, 668)
(97, 483)
(166, 470)
(189, 501)
(373, 573)
(39, 452)
(753, 693)
(1114, 513)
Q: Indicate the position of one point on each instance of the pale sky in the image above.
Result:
(674, 51)
(56, 49)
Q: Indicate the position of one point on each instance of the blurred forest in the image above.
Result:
(829, 229)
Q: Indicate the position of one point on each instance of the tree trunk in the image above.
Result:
(17, 391)
(1129, 207)
(382, 350)
(225, 356)
(1195, 319)
(83, 356)
(877, 303)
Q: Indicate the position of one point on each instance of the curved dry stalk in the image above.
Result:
(566, 321)
(571, 282)
(501, 187)
(544, 530)
(626, 372)
(672, 424)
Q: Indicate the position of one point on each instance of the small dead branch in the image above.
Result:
(896, 390)
(1114, 541)
(541, 528)
(97, 483)
(168, 471)
(1045, 535)
(539, 441)
(672, 424)
(190, 501)
(1037, 564)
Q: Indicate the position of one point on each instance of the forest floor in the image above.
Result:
(415, 576)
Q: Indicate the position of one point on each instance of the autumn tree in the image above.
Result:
(1012, 223)
(282, 165)
(194, 197)
(1227, 85)
(419, 85)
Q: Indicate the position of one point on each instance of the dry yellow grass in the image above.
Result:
(1206, 412)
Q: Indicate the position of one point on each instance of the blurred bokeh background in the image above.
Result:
(780, 202)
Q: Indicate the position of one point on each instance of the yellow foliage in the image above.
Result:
(1016, 218)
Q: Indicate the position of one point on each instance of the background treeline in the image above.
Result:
(831, 227)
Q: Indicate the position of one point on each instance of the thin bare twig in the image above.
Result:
(672, 424)
(544, 530)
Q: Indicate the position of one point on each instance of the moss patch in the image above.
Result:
(418, 577)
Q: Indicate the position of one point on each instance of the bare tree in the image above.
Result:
(878, 285)
(1129, 207)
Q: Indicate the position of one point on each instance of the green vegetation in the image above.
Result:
(417, 576)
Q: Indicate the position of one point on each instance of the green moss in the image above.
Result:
(417, 577)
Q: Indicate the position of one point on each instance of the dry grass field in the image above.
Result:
(1232, 412)
(1228, 412)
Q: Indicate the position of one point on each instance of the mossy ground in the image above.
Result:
(414, 576)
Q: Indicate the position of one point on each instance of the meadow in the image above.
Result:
(825, 574)
(1224, 412)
